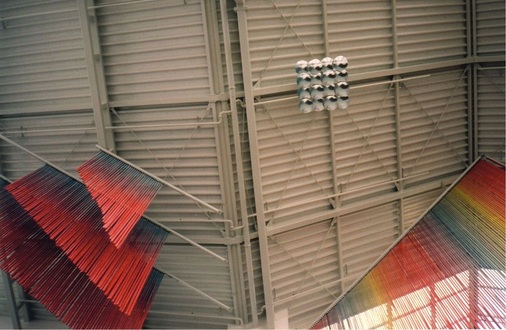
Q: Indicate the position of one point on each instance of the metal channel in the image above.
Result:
(11, 301)
(255, 161)
(239, 161)
(94, 64)
(182, 192)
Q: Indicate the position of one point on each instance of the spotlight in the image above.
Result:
(318, 104)
(316, 79)
(301, 66)
(314, 66)
(342, 88)
(330, 103)
(329, 89)
(304, 93)
(322, 84)
(329, 76)
(342, 102)
(340, 63)
(327, 64)
(305, 105)
(342, 76)
(317, 92)
(304, 80)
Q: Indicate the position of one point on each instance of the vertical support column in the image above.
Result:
(400, 168)
(473, 290)
(255, 162)
(239, 165)
(25, 311)
(395, 50)
(217, 86)
(340, 254)
(432, 304)
(473, 128)
(96, 76)
(11, 301)
(331, 117)
(12, 306)
(470, 110)
(474, 42)
(470, 82)
(390, 314)
(325, 24)
(469, 29)
(474, 113)
(333, 155)
(337, 199)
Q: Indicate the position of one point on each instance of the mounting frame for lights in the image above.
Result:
(322, 84)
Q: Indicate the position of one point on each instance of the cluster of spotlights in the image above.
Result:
(322, 84)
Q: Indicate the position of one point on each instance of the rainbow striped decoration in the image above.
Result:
(448, 271)
(44, 271)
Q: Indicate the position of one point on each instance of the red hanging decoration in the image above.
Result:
(122, 193)
(64, 209)
(44, 271)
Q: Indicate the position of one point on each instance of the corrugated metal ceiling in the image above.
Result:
(337, 187)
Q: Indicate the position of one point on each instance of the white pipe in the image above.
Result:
(354, 87)
(202, 293)
(4, 178)
(38, 14)
(232, 227)
(198, 315)
(344, 193)
(389, 81)
(213, 123)
(154, 177)
(38, 157)
(78, 129)
(186, 239)
(119, 128)
(121, 4)
(491, 68)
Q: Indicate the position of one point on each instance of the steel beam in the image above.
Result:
(355, 207)
(239, 161)
(96, 76)
(387, 73)
(395, 50)
(222, 137)
(255, 161)
(12, 307)
(400, 167)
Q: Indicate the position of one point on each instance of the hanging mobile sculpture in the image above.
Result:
(44, 271)
(65, 210)
(121, 192)
(53, 242)
(447, 271)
